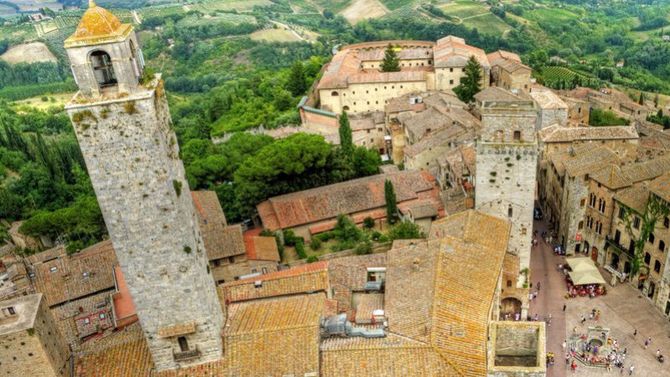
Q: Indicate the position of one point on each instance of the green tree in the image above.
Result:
(391, 63)
(297, 83)
(641, 99)
(471, 82)
(405, 230)
(346, 140)
(655, 210)
(391, 202)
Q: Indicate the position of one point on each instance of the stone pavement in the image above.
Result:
(550, 297)
(623, 310)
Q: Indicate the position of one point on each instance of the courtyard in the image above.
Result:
(622, 310)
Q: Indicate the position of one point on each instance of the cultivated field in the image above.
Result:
(40, 103)
(28, 53)
(275, 35)
(364, 9)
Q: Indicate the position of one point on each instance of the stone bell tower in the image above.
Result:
(123, 125)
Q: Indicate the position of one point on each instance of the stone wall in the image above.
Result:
(365, 97)
(36, 352)
(573, 205)
(132, 157)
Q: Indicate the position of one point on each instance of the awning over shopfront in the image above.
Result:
(584, 271)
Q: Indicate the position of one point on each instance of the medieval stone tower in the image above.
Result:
(506, 165)
(125, 132)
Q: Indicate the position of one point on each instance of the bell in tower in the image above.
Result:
(104, 54)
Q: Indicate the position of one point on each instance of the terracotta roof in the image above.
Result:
(560, 134)
(611, 177)
(548, 100)
(274, 337)
(450, 133)
(260, 247)
(473, 226)
(217, 368)
(420, 209)
(392, 356)
(70, 277)
(634, 197)
(494, 93)
(311, 277)
(327, 202)
(124, 307)
(583, 159)
(646, 170)
(661, 186)
(502, 55)
(452, 51)
(221, 241)
(96, 26)
(348, 274)
(122, 354)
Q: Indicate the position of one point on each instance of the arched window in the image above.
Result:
(661, 245)
(509, 211)
(334, 93)
(509, 283)
(657, 266)
(103, 69)
(652, 238)
(647, 258)
(345, 108)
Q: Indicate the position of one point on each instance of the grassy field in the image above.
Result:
(464, 9)
(38, 102)
(487, 23)
(274, 35)
(28, 53)
(195, 20)
(364, 9)
(553, 15)
(229, 5)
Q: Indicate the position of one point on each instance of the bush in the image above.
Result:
(300, 249)
(312, 259)
(376, 235)
(324, 237)
(290, 239)
(363, 248)
(369, 222)
(346, 231)
(405, 230)
(315, 244)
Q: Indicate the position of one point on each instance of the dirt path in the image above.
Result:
(288, 28)
(137, 18)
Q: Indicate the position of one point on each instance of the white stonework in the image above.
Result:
(132, 157)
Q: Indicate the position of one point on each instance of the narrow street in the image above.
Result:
(550, 299)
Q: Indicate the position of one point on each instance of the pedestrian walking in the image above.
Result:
(631, 369)
(564, 306)
(565, 344)
(567, 359)
(573, 366)
(583, 319)
(647, 342)
(635, 332)
(658, 353)
(538, 286)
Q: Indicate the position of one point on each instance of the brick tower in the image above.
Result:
(125, 132)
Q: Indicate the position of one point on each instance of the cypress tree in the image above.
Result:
(641, 99)
(391, 202)
(297, 84)
(346, 140)
(391, 62)
(471, 83)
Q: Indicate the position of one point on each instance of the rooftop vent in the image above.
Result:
(339, 326)
(415, 100)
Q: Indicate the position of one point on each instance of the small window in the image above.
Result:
(661, 246)
(636, 222)
(510, 212)
(581, 225)
(451, 82)
(11, 310)
(509, 283)
(622, 213)
(657, 266)
(647, 258)
(652, 239)
(231, 260)
(451, 69)
(666, 222)
(183, 343)
(582, 202)
(517, 135)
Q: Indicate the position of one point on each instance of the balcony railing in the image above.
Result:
(186, 355)
(630, 252)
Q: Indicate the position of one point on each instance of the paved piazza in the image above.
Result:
(623, 310)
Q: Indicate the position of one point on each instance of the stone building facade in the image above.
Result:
(30, 341)
(506, 165)
(125, 133)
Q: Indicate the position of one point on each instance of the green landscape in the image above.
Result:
(231, 66)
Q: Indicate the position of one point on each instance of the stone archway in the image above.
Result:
(509, 308)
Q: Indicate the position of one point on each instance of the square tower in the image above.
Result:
(506, 165)
(30, 341)
(125, 133)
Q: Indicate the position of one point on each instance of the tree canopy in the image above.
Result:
(391, 63)
(471, 82)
